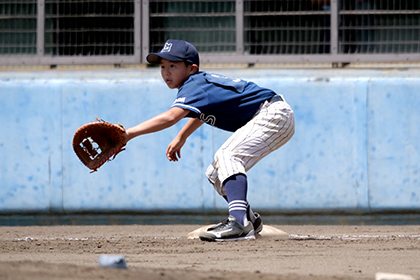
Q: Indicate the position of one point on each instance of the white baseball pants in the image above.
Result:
(271, 127)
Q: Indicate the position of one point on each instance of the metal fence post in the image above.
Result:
(334, 27)
(145, 30)
(239, 20)
(40, 29)
(137, 31)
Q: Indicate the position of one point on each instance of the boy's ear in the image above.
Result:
(194, 68)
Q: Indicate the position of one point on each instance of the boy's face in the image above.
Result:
(176, 73)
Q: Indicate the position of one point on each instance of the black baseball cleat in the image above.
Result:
(258, 223)
(256, 220)
(228, 230)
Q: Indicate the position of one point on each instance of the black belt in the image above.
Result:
(274, 99)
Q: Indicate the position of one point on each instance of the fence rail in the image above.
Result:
(55, 32)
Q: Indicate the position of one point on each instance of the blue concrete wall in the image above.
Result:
(356, 146)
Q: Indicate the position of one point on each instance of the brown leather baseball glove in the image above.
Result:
(96, 142)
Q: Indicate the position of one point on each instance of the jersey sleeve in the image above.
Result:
(191, 96)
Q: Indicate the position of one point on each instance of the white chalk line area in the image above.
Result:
(29, 238)
(353, 237)
(291, 236)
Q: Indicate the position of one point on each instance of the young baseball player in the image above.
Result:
(261, 122)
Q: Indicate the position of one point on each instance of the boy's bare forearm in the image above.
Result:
(152, 125)
(157, 123)
(192, 125)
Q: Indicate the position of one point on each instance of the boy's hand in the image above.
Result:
(173, 152)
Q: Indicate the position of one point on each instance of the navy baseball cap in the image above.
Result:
(176, 50)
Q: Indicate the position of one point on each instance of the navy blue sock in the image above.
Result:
(236, 188)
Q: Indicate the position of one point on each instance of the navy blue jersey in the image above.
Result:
(220, 101)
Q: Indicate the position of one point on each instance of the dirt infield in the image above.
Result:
(164, 252)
